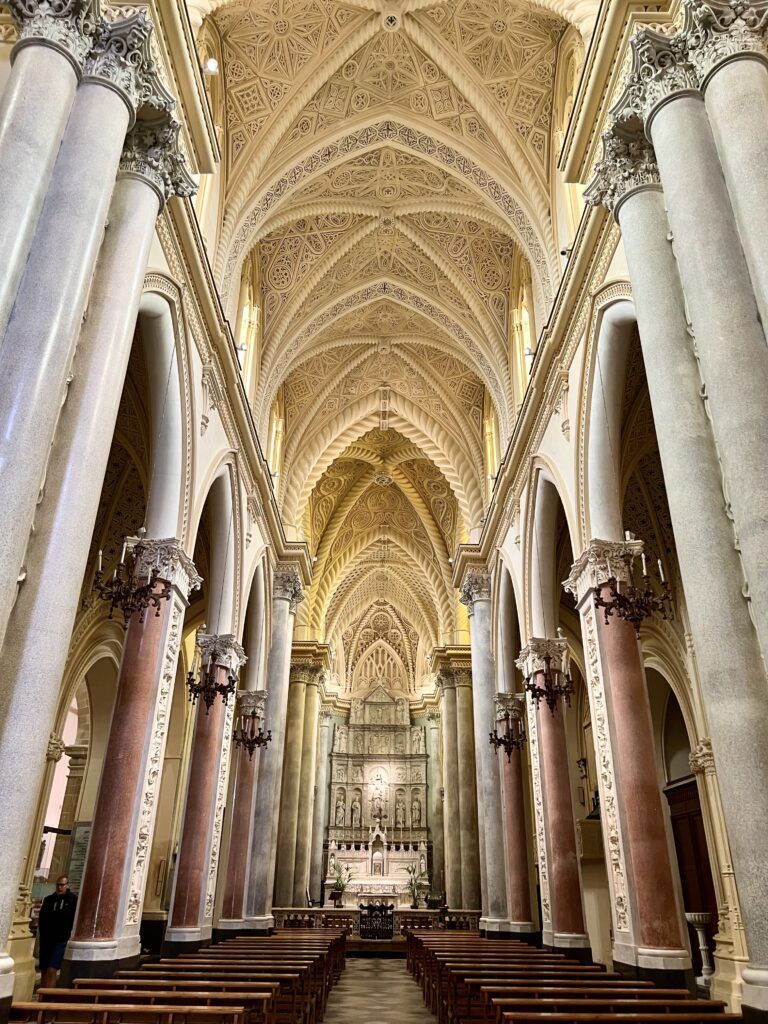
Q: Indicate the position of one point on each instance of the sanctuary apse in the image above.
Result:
(384, 466)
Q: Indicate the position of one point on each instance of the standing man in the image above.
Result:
(57, 915)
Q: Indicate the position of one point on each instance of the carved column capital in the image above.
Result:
(303, 673)
(462, 677)
(55, 749)
(120, 58)
(286, 584)
(533, 656)
(600, 560)
(701, 759)
(151, 153)
(67, 26)
(325, 715)
(476, 586)
(249, 701)
(627, 165)
(445, 680)
(434, 718)
(509, 704)
(717, 31)
(660, 70)
(172, 562)
(221, 649)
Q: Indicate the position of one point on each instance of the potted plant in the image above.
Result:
(417, 881)
(341, 879)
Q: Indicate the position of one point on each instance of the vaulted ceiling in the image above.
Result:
(385, 165)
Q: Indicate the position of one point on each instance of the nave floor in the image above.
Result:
(376, 991)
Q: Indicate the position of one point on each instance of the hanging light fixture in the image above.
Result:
(133, 586)
(212, 674)
(545, 667)
(249, 725)
(509, 715)
(633, 602)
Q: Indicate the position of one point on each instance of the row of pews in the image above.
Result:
(466, 979)
(281, 979)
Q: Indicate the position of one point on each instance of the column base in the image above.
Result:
(575, 947)
(499, 928)
(185, 940)
(664, 977)
(5, 1008)
(99, 959)
(6, 986)
(259, 925)
(754, 995)
(232, 929)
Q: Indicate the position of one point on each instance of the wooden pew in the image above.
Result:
(96, 1013)
(259, 1006)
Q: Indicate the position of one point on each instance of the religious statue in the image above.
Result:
(377, 808)
(358, 743)
(399, 743)
(416, 740)
(422, 864)
(400, 814)
(332, 863)
(356, 811)
(341, 739)
(340, 813)
(416, 813)
(401, 712)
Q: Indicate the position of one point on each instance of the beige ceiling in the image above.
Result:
(387, 163)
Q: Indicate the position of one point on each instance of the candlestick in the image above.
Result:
(661, 572)
(645, 568)
(122, 553)
(100, 557)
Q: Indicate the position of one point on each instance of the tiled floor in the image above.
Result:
(373, 991)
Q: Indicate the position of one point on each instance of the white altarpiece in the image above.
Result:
(378, 808)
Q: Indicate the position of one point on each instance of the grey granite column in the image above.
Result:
(37, 346)
(287, 829)
(465, 743)
(286, 595)
(724, 637)
(47, 62)
(435, 784)
(476, 595)
(730, 340)
(40, 627)
(320, 811)
(728, 47)
(306, 800)
(451, 811)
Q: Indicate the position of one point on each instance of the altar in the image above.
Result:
(377, 825)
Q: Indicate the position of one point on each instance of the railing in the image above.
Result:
(402, 920)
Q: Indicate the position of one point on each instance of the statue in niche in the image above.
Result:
(356, 812)
(416, 740)
(399, 743)
(358, 743)
(400, 814)
(416, 813)
(332, 863)
(340, 813)
(377, 808)
(356, 711)
(422, 865)
(341, 739)
(401, 711)
(357, 774)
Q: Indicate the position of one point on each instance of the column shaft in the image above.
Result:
(730, 340)
(232, 907)
(36, 350)
(723, 633)
(452, 814)
(516, 845)
(436, 819)
(111, 897)
(289, 796)
(320, 812)
(287, 594)
(470, 847)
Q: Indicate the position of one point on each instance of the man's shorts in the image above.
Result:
(52, 955)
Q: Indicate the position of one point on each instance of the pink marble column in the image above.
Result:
(648, 931)
(515, 833)
(190, 921)
(246, 769)
(109, 908)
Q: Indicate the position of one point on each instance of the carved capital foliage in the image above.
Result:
(65, 25)
(660, 69)
(221, 649)
(121, 57)
(717, 31)
(509, 704)
(433, 717)
(286, 584)
(151, 152)
(173, 564)
(600, 561)
(304, 673)
(475, 587)
(445, 680)
(533, 656)
(628, 163)
(55, 749)
(249, 701)
(701, 759)
(326, 715)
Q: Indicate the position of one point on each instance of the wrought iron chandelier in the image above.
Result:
(545, 667)
(132, 587)
(632, 602)
(509, 715)
(210, 675)
(249, 728)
